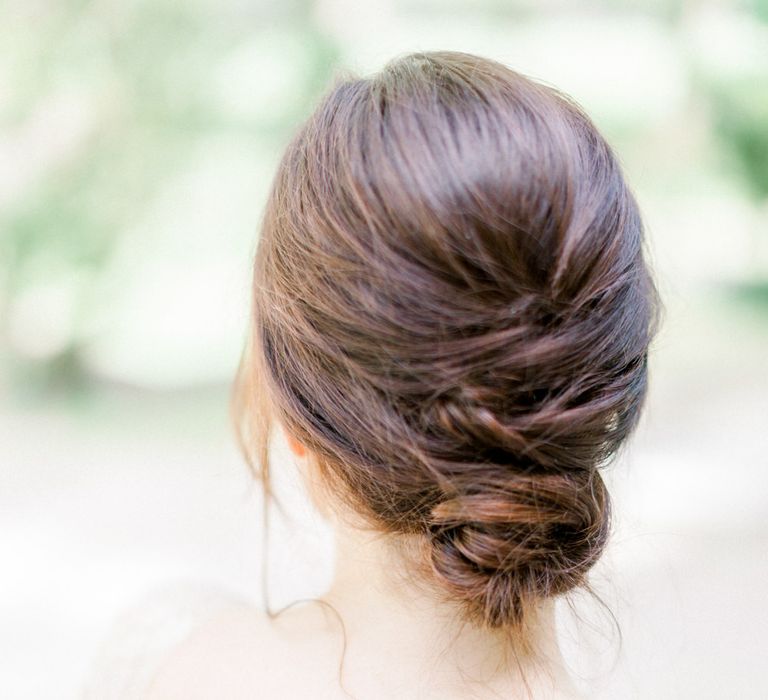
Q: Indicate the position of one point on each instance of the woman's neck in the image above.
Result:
(392, 616)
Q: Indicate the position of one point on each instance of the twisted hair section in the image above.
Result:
(453, 311)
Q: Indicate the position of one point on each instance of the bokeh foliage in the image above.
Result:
(105, 103)
(120, 94)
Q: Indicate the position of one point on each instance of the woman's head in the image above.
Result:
(452, 312)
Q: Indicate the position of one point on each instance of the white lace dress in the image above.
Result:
(144, 634)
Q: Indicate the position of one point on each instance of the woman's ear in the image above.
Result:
(296, 447)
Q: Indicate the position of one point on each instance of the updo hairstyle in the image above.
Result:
(452, 312)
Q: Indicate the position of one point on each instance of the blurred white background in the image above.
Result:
(137, 142)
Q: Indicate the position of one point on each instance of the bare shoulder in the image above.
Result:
(242, 653)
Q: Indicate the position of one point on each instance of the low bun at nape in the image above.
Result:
(500, 551)
(453, 312)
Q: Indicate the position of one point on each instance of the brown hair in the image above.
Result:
(452, 311)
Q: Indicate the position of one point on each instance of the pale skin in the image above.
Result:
(403, 640)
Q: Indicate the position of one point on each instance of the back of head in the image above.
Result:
(453, 312)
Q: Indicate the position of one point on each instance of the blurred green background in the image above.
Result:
(137, 142)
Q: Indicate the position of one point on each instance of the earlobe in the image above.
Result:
(296, 447)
